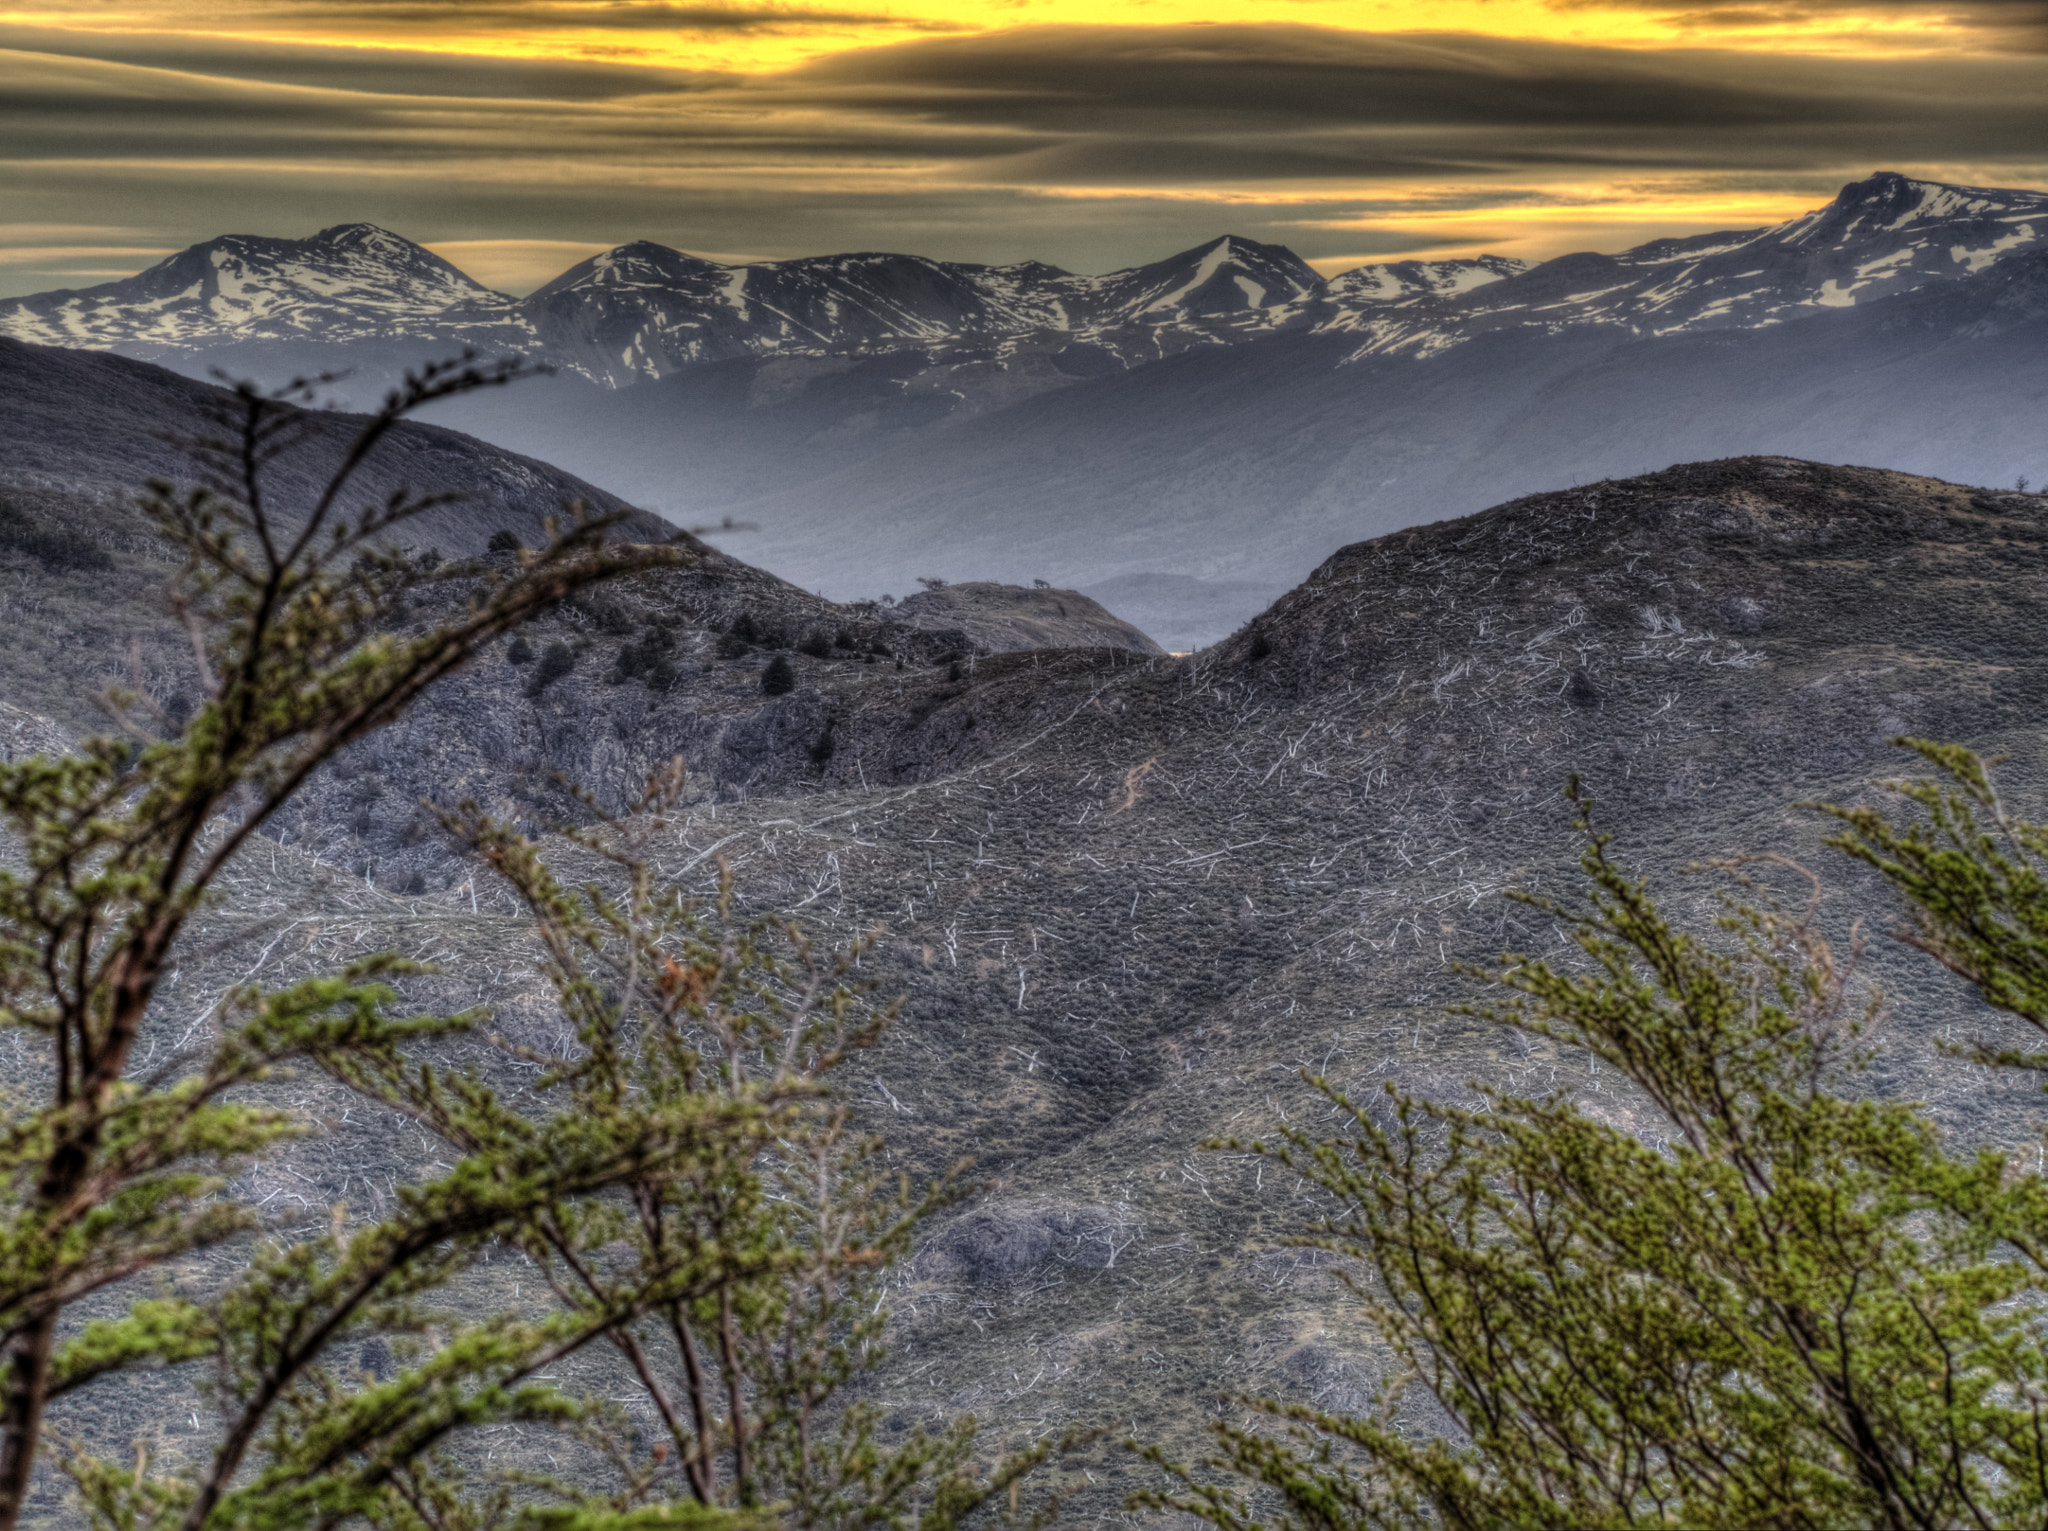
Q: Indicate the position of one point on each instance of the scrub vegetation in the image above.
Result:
(459, 1130)
(674, 1173)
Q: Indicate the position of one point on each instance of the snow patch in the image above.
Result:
(1210, 264)
(1976, 260)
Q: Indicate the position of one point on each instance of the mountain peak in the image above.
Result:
(1887, 202)
(1227, 274)
(642, 263)
(364, 236)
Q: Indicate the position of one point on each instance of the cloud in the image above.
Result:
(1091, 147)
(553, 15)
(1218, 82)
(2019, 26)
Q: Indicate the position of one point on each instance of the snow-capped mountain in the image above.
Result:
(352, 282)
(644, 311)
(1880, 238)
(1366, 288)
(1227, 277)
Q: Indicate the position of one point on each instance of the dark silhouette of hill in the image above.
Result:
(94, 423)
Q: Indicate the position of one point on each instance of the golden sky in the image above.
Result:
(517, 136)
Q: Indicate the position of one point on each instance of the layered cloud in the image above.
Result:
(1088, 146)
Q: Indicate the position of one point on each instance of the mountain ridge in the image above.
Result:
(642, 311)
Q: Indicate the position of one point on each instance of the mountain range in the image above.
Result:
(1210, 425)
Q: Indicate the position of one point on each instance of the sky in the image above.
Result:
(516, 137)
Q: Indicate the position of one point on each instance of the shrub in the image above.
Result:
(520, 651)
(816, 645)
(682, 1152)
(650, 660)
(505, 540)
(779, 678)
(604, 614)
(1769, 1298)
(556, 660)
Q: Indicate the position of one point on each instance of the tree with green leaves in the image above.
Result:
(681, 1177)
(1785, 1303)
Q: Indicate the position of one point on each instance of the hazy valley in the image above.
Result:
(1224, 415)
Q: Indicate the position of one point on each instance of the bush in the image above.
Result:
(1771, 1298)
(650, 660)
(606, 615)
(520, 651)
(779, 679)
(555, 661)
(682, 1152)
(505, 540)
(816, 645)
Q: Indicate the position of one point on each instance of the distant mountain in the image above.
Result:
(644, 311)
(1222, 415)
(349, 283)
(1878, 239)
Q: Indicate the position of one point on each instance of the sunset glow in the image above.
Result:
(755, 38)
(509, 133)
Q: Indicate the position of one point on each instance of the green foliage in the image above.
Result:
(680, 1176)
(1779, 1302)
(1976, 893)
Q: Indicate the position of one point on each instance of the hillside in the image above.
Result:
(1127, 898)
(93, 424)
